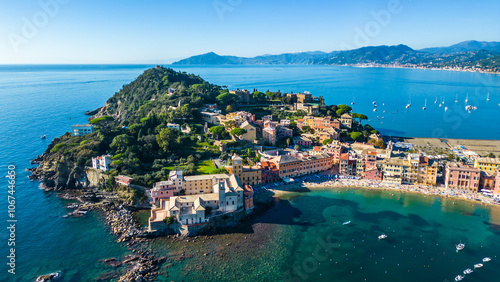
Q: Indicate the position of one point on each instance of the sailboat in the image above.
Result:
(488, 97)
(467, 98)
(425, 105)
(409, 103)
(352, 103)
(43, 136)
(435, 102)
(443, 101)
(456, 99)
(445, 109)
(441, 104)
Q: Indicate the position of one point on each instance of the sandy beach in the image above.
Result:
(482, 147)
(473, 198)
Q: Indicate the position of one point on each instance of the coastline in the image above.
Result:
(372, 185)
(416, 67)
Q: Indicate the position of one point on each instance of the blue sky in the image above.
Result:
(160, 31)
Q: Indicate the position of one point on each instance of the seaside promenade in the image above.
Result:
(356, 183)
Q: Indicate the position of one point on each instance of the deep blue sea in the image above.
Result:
(38, 100)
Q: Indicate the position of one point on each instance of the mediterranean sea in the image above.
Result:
(47, 100)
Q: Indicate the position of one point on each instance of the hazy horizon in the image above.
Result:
(160, 32)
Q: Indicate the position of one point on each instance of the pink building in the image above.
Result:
(284, 132)
(370, 160)
(269, 134)
(302, 141)
(496, 187)
(124, 180)
(162, 190)
(373, 174)
(462, 177)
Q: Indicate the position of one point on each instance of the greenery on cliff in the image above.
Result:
(132, 129)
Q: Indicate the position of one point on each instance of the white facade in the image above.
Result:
(81, 129)
(101, 162)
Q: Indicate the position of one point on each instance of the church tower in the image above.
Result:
(222, 195)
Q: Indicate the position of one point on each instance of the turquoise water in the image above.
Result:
(422, 234)
(37, 100)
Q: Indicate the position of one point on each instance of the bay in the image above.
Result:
(38, 100)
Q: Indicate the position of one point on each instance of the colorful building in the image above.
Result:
(82, 129)
(487, 164)
(462, 177)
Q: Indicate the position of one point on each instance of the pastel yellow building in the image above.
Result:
(487, 164)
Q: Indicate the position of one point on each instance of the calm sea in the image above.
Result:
(38, 100)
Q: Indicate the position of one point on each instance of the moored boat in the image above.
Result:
(486, 259)
(459, 278)
(381, 237)
(468, 271)
(460, 247)
(478, 265)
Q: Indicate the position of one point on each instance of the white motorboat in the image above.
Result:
(486, 259)
(478, 265)
(43, 136)
(347, 222)
(468, 271)
(381, 237)
(460, 247)
(459, 278)
(445, 109)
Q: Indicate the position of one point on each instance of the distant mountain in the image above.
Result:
(374, 55)
(465, 46)
(287, 58)
(469, 55)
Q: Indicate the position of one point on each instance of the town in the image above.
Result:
(309, 138)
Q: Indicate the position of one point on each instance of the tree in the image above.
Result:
(121, 143)
(307, 129)
(169, 220)
(229, 109)
(359, 117)
(227, 98)
(327, 141)
(238, 132)
(230, 124)
(380, 143)
(259, 96)
(357, 136)
(491, 155)
(296, 147)
(167, 139)
(217, 131)
(342, 109)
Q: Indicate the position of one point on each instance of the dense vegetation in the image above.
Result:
(132, 128)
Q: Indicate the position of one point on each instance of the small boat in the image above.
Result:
(347, 222)
(440, 105)
(459, 278)
(435, 102)
(486, 259)
(468, 271)
(445, 109)
(456, 99)
(478, 265)
(488, 97)
(43, 136)
(408, 105)
(460, 247)
(374, 102)
(375, 106)
(374, 110)
(352, 103)
(381, 237)
(467, 98)
(425, 105)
